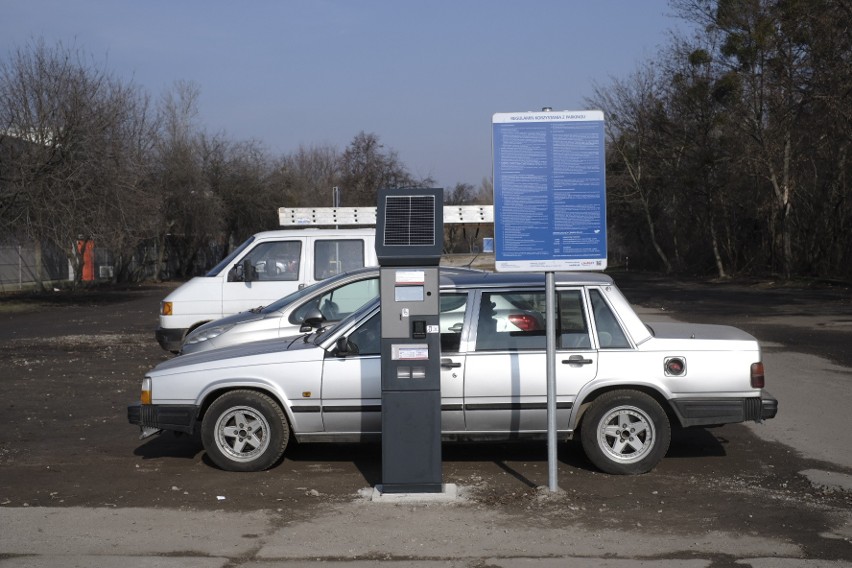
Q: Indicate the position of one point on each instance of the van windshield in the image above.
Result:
(230, 258)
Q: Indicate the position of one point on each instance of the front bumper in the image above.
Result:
(714, 412)
(176, 417)
(170, 339)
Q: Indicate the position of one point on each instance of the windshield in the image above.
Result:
(354, 316)
(290, 298)
(230, 258)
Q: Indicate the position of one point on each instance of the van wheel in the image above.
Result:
(244, 431)
(625, 432)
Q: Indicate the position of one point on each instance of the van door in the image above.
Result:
(268, 271)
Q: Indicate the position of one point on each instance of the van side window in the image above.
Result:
(278, 260)
(610, 334)
(336, 256)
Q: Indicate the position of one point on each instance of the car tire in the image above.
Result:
(244, 430)
(625, 432)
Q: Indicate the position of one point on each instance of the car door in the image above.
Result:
(454, 314)
(505, 376)
(276, 269)
(351, 382)
(352, 390)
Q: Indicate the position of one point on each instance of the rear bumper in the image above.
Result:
(713, 412)
(179, 418)
(170, 339)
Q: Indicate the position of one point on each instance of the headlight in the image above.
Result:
(146, 397)
(200, 335)
(166, 309)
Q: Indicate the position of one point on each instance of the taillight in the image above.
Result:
(524, 322)
(758, 381)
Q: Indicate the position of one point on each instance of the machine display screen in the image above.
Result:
(408, 293)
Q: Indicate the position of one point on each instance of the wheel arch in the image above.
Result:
(587, 398)
(216, 390)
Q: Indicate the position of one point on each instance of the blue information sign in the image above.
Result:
(549, 191)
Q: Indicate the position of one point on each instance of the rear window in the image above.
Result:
(610, 334)
(336, 256)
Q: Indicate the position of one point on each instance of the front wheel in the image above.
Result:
(244, 431)
(625, 432)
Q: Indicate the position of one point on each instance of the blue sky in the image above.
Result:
(425, 77)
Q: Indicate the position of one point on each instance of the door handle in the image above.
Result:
(577, 360)
(449, 364)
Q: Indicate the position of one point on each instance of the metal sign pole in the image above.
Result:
(550, 324)
(554, 160)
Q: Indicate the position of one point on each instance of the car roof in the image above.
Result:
(464, 277)
(483, 279)
(315, 232)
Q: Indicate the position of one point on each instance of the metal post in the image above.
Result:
(335, 199)
(550, 322)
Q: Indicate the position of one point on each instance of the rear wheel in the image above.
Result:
(245, 431)
(625, 432)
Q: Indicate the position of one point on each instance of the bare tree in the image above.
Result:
(310, 173)
(367, 166)
(191, 214)
(78, 156)
(240, 173)
(630, 107)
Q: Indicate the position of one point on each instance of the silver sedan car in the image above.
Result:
(333, 299)
(621, 385)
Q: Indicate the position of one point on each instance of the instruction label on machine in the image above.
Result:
(410, 352)
(410, 277)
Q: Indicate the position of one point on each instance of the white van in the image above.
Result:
(266, 267)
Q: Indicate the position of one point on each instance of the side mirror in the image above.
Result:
(313, 319)
(249, 272)
(344, 347)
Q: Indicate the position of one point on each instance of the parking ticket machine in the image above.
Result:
(409, 242)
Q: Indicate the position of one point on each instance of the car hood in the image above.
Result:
(241, 317)
(671, 330)
(257, 348)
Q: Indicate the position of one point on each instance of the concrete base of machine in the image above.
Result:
(449, 492)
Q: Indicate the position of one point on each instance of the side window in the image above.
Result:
(610, 334)
(337, 256)
(511, 322)
(277, 260)
(338, 303)
(367, 338)
(573, 327)
(453, 307)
